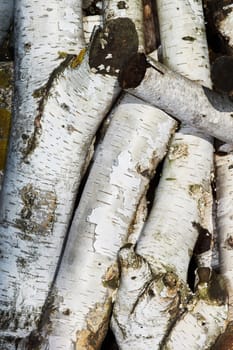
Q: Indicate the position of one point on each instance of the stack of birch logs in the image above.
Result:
(116, 206)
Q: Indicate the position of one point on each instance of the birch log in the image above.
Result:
(224, 181)
(222, 16)
(6, 18)
(186, 52)
(118, 40)
(191, 60)
(84, 289)
(149, 311)
(165, 245)
(182, 201)
(183, 99)
(55, 121)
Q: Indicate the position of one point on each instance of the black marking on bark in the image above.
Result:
(113, 45)
(146, 290)
(188, 38)
(133, 71)
(204, 240)
(43, 93)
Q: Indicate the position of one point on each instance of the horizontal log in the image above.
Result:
(185, 100)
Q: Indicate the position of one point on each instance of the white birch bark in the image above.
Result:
(148, 304)
(127, 8)
(88, 276)
(186, 52)
(224, 21)
(52, 132)
(182, 200)
(6, 18)
(166, 243)
(184, 48)
(198, 328)
(145, 304)
(78, 325)
(224, 184)
(187, 101)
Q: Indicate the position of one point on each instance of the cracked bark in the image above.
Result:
(124, 163)
(50, 140)
(165, 314)
(203, 109)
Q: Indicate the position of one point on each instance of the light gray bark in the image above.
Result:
(187, 101)
(88, 276)
(55, 121)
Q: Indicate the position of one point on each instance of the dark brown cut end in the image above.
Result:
(113, 45)
(133, 72)
(222, 74)
(225, 340)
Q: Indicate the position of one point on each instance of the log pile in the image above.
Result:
(126, 242)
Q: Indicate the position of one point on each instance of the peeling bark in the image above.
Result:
(184, 192)
(88, 276)
(145, 303)
(50, 141)
(221, 13)
(154, 307)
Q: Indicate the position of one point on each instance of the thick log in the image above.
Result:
(184, 99)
